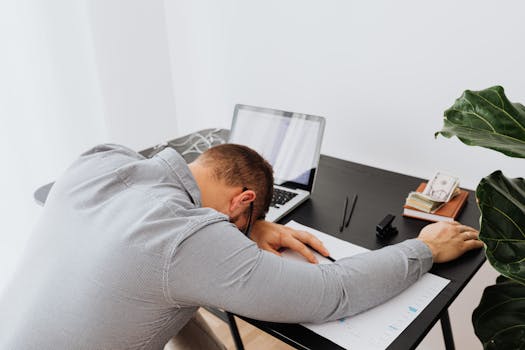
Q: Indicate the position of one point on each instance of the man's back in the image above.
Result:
(94, 272)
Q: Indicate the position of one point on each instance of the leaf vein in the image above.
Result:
(477, 115)
(503, 110)
(474, 131)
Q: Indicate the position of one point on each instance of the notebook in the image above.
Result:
(290, 142)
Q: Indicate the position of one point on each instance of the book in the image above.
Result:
(449, 211)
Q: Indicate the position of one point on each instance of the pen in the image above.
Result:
(330, 258)
(346, 221)
(344, 215)
(351, 210)
(327, 257)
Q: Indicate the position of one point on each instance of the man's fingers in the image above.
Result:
(296, 245)
(473, 244)
(468, 233)
(463, 228)
(312, 241)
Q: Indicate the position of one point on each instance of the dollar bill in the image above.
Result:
(441, 187)
(422, 202)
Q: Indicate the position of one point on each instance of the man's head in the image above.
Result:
(230, 177)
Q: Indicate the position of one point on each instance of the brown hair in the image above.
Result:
(239, 165)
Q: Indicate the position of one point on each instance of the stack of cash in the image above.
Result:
(439, 190)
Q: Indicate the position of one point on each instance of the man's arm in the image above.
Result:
(447, 241)
(219, 267)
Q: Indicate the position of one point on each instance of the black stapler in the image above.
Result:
(385, 230)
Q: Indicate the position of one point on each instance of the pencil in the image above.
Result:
(351, 210)
(315, 250)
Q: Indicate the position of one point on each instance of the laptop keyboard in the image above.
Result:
(281, 197)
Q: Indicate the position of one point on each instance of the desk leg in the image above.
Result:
(447, 331)
(235, 332)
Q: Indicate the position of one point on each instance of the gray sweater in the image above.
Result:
(124, 254)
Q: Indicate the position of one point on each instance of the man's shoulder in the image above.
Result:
(107, 149)
(100, 159)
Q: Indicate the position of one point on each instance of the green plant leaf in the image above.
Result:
(499, 320)
(488, 119)
(502, 204)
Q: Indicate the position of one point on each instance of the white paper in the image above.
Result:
(378, 327)
(338, 248)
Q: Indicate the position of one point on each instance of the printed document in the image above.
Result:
(378, 327)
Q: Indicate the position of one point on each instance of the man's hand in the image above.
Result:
(449, 240)
(272, 237)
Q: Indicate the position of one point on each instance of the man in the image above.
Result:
(128, 248)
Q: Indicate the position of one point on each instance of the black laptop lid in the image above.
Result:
(290, 142)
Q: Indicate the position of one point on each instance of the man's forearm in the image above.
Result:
(239, 277)
(374, 277)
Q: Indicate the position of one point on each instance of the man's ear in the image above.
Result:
(240, 202)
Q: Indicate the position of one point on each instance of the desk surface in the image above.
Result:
(380, 192)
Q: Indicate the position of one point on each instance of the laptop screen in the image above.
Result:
(290, 142)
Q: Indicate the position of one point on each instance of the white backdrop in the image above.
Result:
(381, 72)
(50, 109)
(74, 73)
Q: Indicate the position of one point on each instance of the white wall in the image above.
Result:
(74, 73)
(50, 109)
(382, 72)
(133, 66)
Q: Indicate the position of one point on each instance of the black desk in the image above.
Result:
(380, 192)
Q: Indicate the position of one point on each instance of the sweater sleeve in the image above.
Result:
(217, 266)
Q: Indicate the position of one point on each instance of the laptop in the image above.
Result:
(290, 142)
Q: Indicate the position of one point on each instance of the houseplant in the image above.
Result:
(488, 119)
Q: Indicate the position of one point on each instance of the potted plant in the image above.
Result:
(488, 119)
